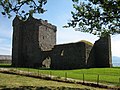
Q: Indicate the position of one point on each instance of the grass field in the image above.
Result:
(106, 75)
(16, 81)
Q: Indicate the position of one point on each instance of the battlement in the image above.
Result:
(30, 38)
(31, 19)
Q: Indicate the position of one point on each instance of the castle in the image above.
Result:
(34, 45)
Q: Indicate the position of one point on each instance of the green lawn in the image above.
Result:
(16, 81)
(106, 75)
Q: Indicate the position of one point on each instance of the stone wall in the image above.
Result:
(102, 52)
(30, 38)
(82, 55)
(90, 56)
(34, 44)
(47, 36)
(16, 43)
(70, 56)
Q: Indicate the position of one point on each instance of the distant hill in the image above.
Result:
(116, 59)
(5, 57)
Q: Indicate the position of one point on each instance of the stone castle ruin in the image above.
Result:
(34, 45)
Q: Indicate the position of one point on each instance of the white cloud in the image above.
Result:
(5, 36)
(5, 46)
(4, 51)
(5, 32)
(59, 18)
(69, 35)
(116, 46)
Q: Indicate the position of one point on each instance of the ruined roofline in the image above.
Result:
(87, 42)
(34, 20)
(82, 41)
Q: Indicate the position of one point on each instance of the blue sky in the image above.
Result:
(58, 13)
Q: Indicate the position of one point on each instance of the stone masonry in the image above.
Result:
(102, 50)
(34, 45)
(70, 56)
(30, 39)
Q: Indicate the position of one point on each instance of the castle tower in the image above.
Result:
(30, 38)
(102, 52)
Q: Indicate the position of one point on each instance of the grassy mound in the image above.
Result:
(87, 42)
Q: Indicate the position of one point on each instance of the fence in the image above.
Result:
(113, 77)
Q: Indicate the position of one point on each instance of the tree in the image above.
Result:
(98, 17)
(17, 6)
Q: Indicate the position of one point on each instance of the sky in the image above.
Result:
(58, 13)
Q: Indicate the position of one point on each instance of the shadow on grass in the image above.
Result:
(42, 88)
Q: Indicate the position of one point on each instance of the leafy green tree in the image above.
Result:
(98, 17)
(9, 7)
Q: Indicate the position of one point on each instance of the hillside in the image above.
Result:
(116, 61)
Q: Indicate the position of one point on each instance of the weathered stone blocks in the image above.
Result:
(102, 52)
(30, 38)
(34, 45)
